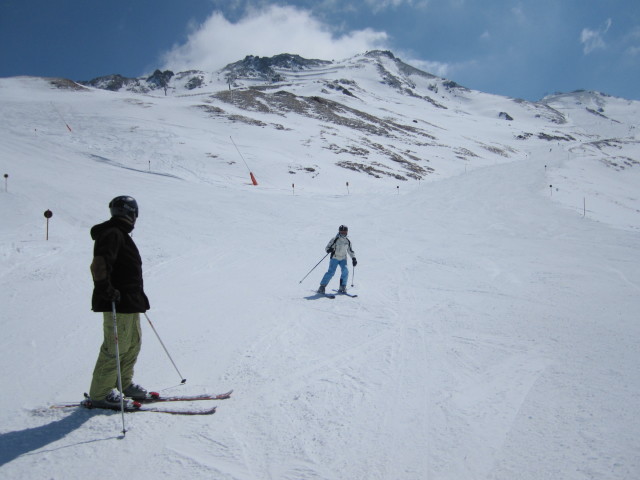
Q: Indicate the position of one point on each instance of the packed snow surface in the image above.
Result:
(494, 336)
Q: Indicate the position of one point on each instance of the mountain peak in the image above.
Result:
(264, 67)
(380, 53)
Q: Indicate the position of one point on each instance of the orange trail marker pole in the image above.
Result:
(253, 179)
(62, 118)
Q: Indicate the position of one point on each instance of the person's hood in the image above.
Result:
(113, 222)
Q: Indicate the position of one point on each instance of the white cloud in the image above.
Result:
(594, 39)
(267, 32)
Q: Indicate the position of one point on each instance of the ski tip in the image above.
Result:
(224, 396)
(345, 294)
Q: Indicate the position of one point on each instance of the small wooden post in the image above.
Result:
(48, 214)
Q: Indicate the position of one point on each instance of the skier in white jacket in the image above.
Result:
(339, 246)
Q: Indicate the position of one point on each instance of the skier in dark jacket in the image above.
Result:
(117, 278)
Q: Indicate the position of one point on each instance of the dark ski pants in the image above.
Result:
(333, 265)
(105, 373)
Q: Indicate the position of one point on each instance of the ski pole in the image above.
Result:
(115, 336)
(313, 268)
(183, 380)
(353, 275)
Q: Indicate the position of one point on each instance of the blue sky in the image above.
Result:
(519, 48)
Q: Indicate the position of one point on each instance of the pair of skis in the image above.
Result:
(153, 397)
(331, 295)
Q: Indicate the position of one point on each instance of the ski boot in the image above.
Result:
(110, 402)
(135, 392)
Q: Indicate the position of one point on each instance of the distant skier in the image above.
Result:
(339, 246)
(117, 276)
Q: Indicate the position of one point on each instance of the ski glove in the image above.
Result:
(331, 251)
(113, 294)
(354, 261)
(108, 291)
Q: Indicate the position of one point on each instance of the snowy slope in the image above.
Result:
(494, 336)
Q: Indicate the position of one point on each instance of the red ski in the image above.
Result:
(155, 397)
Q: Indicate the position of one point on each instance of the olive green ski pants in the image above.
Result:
(105, 373)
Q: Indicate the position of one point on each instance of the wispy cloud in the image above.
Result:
(633, 39)
(379, 5)
(594, 39)
(266, 32)
(518, 13)
(436, 68)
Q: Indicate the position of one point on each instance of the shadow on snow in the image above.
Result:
(22, 442)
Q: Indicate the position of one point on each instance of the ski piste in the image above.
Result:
(154, 397)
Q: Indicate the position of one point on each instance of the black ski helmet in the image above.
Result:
(343, 228)
(124, 206)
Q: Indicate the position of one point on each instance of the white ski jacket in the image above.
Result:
(342, 246)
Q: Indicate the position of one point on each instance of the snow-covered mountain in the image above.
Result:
(495, 331)
(377, 115)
